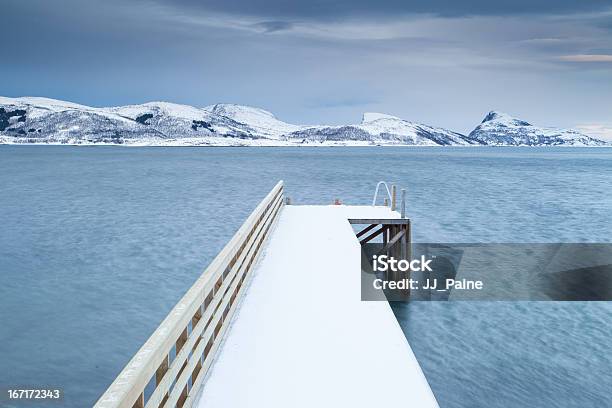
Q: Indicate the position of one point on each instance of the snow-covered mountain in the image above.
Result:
(258, 120)
(42, 120)
(501, 129)
(378, 128)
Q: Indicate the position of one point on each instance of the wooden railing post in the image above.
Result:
(159, 374)
(194, 321)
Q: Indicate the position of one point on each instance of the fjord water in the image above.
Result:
(98, 243)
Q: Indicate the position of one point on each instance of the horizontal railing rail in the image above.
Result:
(169, 368)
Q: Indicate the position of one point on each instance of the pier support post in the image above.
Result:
(396, 243)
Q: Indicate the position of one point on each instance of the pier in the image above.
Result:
(276, 320)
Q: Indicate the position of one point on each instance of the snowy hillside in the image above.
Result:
(40, 120)
(259, 121)
(378, 128)
(501, 129)
(49, 121)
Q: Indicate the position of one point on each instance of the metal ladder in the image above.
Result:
(391, 197)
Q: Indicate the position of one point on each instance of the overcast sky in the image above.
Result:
(439, 62)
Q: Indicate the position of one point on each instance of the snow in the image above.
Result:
(501, 129)
(373, 116)
(303, 338)
(48, 103)
(39, 107)
(260, 120)
(177, 110)
(396, 127)
(500, 118)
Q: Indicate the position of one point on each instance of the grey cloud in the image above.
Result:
(604, 22)
(274, 26)
(337, 9)
(587, 58)
(323, 62)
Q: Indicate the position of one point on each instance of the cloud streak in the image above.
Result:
(324, 10)
(601, 131)
(587, 58)
(274, 26)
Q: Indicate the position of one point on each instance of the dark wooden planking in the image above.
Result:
(366, 230)
(388, 221)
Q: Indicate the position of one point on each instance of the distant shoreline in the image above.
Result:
(316, 146)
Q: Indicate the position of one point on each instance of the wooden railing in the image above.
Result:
(169, 368)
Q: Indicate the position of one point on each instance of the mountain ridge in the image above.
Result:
(500, 129)
(39, 120)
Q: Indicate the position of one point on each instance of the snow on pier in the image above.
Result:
(276, 320)
(301, 335)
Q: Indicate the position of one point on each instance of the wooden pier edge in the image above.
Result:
(177, 356)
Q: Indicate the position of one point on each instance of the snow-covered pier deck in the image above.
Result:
(303, 338)
(276, 320)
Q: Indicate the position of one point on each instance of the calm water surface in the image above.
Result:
(98, 243)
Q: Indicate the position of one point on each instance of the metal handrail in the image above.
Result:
(391, 194)
(376, 192)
